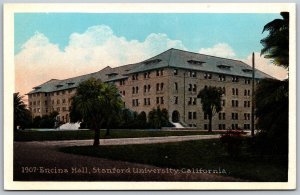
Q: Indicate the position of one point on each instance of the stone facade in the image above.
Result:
(171, 87)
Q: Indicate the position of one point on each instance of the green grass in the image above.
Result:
(206, 154)
(34, 135)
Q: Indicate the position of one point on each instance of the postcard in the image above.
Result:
(156, 96)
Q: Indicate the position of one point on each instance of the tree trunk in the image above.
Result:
(97, 137)
(210, 123)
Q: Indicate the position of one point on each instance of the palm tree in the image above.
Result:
(111, 104)
(276, 44)
(211, 102)
(22, 115)
(86, 106)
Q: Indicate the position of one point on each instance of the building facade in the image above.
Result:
(170, 80)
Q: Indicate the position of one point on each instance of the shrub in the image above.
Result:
(233, 141)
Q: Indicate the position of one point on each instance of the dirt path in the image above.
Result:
(42, 161)
(126, 141)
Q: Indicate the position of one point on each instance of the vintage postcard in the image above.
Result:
(149, 96)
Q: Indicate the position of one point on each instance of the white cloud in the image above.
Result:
(40, 60)
(220, 50)
(266, 66)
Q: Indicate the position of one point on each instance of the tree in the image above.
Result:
(276, 44)
(87, 107)
(158, 118)
(211, 102)
(272, 102)
(272, 96)
(22, 116)
(111, 103)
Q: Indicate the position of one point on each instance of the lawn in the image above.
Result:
(205, 154)
(88, 134)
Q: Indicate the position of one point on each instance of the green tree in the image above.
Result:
(276, 44)
(158, 118)
(22, 116)
(272, 102)
(272, 96)
(86, 106)
(211, 102)
(111, 104)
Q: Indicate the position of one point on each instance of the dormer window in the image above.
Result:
(155, 61)
(70, 83)
(58, 86)
(247, 70)
(195, 62)
(112, 75)
(36, 88)
(224, 67)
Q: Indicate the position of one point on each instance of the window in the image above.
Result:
(194, 88)
(157, 72)
(235, 91)
(57, 101)
(64, 108)
(146, 75)
(122, 82)
(64, 101)
(157, 87)
(149, 87)
(234, 103)
(57, 93)
(176, 86)
(148, 101)
(162, 86)
(222, 126)
(224, 90)
(247, 116)
(247, 81)
(63, 92)
(46, 103)
(162, 100)
(133, 90)
(234, 116)
(207, 76)
(192, 74)
(190, 87)
(145, 88)
(235, 79)
(38, 110)
(175, 99)
(194, 115)
(58, 109)
(247, 104)
(222, 77)
(175, 71)
(157, 100)
(223, 102)
(190, 115)
(246, 126)
(195, 101)
(45, 94)
(52, 102)
(190, 101)
(136, 89)
(221, 115)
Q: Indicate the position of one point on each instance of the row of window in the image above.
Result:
(58, 109)
(223, 126)
(51, 94)
(160, 72)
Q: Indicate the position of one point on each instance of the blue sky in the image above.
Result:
(63, 45)
(241, 31)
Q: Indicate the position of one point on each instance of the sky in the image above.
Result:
(63, 45)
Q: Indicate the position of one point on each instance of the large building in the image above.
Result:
(169, 80)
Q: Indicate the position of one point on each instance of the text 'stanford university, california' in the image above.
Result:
(170, 80)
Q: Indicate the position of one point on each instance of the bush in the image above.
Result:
(233, 141)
